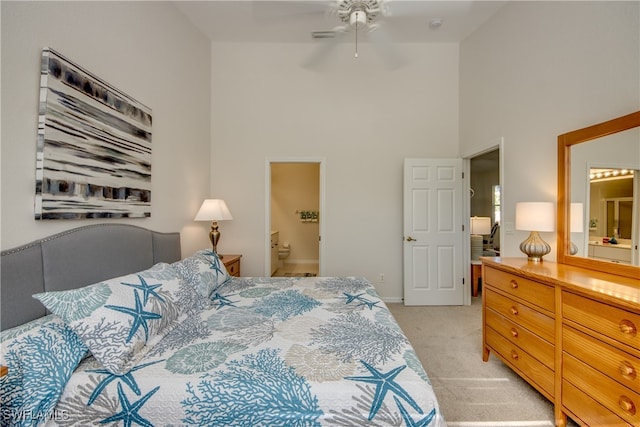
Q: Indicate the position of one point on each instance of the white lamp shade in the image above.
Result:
(213, 210)
(535, 216)
(576, 221)
(480, 225)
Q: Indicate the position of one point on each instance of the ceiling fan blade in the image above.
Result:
(330, 34)
(384, 46)
(321, 51)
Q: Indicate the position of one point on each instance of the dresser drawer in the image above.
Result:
(591, 412)
(615, 363)
(536, 322)
(613, 322)
(535, 372)
(528, 290)
(523, 338)
(611, 394)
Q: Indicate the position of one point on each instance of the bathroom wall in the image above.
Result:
(295, 187)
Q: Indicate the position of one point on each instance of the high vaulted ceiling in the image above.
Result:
(293, 21)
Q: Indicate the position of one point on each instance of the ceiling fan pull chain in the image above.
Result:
(356, 55)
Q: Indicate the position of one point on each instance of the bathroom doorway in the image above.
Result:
(294, 217)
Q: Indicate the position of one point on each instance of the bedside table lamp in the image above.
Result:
(480, 225)
(535, 217)
(213, 210)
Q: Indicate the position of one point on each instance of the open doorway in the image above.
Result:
(485, 209)
(486, 196)
(294, 214)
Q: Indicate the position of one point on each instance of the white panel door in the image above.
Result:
(433, 234)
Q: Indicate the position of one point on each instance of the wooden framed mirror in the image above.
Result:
(601, 141)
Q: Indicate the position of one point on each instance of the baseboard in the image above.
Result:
(393, 300)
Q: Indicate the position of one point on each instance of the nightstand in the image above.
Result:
(4, 370)
(476, 277)
(232, 264)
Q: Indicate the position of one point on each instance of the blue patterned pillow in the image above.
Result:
(204, 271)
(41, 356)
(121, 319)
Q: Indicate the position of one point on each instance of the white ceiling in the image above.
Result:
(292, 21)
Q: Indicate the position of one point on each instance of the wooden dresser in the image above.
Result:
(572, 333)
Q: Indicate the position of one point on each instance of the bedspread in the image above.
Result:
(271, 352)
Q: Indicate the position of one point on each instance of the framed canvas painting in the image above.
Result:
(93, 146)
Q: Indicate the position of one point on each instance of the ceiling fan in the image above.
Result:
(355, 14)
(360, 17)
(359, 20)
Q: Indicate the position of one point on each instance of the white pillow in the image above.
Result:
(120, 319)
(204, 271)
(41, 356)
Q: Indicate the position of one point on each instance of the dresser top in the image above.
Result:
(614, 289)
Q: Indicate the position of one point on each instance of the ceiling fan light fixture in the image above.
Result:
(358, 17)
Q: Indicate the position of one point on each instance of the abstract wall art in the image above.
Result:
(93, 146)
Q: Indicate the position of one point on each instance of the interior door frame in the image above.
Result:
(496, 144)
(267, 211)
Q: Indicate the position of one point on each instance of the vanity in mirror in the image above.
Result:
(598, 196)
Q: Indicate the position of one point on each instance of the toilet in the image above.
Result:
(284, 250)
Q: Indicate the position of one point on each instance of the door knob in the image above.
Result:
(411, 239)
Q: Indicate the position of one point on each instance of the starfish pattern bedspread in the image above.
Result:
(267, 352)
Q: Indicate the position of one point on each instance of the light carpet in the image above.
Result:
(472, 393)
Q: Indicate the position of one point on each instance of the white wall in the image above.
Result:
(363, 118)
(540, 69)
(147, 49)
(536, 70)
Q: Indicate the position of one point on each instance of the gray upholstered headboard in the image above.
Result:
(74, 259)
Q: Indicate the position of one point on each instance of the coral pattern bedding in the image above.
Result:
(240, 352)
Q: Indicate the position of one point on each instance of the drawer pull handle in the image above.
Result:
(627, 405)
(514, 355)
(627, 370)
(627, 327)
(514, 284)
(514, 332)
(514, 310)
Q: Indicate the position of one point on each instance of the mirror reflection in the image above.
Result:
(605, 213)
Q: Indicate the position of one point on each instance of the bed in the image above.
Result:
(133, 334)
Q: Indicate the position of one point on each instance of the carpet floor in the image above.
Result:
(448, 341)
